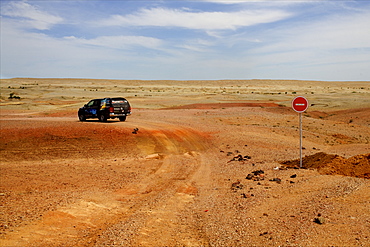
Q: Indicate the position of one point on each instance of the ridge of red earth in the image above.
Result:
(221, 105)
(332, 164)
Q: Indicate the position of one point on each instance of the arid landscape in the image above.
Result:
(213, 163)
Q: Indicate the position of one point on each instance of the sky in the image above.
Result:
(186, 40)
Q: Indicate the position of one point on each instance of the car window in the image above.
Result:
(91, 103)
(119, 101)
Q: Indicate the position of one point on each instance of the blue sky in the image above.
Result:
(186, 40)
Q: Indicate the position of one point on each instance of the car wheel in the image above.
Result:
(102, 118)
(81, 117)
(122, 118)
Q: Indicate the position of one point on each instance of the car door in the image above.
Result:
(92, 108)
(96, 107)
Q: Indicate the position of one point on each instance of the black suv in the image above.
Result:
(106, 108)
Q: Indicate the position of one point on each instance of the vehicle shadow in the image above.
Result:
(98, 121)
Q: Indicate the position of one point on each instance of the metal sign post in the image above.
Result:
(300, 104)
(300, 140)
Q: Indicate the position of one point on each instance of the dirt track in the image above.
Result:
(181, 180)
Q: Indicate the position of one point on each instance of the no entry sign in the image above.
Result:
(300, 104)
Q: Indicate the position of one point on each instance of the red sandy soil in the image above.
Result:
(179, 181)
(331, 164)
(223, 105)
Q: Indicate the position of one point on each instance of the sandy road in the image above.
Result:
(134, 215)
(58, 158)
(158, 213)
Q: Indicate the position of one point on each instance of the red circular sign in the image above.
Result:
(300, 104)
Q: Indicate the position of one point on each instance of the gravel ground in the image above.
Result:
(209, 176)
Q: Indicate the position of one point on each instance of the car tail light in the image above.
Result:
(111, 109)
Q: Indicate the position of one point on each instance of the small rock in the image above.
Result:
(237, 185)
(154, 156)
(257, 172)
(278, 180)
(239, 157)
(293, 176)
(258, 178)
(320, 220)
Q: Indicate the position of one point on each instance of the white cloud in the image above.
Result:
(31, 54)
(263, 1)
(119, 42)
(228, 1)
(163, 17)
(38, 55)
(198, 45)
(312, 45)
(334, 33)
(330, 48)
(33, 17)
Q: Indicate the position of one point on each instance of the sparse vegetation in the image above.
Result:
(13, 96)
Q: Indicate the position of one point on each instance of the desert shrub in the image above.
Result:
(13, 96)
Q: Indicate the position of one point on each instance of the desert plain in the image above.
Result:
(213, 163)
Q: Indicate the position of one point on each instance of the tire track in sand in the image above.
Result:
(139, 212)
